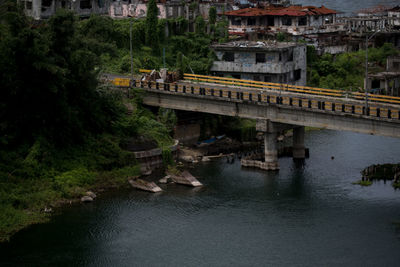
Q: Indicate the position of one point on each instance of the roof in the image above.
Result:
(247, 12)
(255, 45)
(395, 9)
(295, 11)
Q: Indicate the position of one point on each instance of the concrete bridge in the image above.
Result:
(277, 109)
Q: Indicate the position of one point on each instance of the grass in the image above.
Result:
(363, 183)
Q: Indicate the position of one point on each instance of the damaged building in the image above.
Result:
(43, 9)
(388, 81)
(268, 61)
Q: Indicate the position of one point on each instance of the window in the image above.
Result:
(260, 57)
(46, 3)
(290, 58)
(251, 21)
(228, 56)
(257, 78)
(267, 79)
(286, 21)
(236, 22)
(271, 21)
(236, 76)
(85, 4)
(297, 74)
(280, 56)
(302, 21)
(329, 20)
(28, 5)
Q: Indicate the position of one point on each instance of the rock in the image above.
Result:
(195, 161)
(48, 210)
(165, 180)
(86, 199)
(185, 178)
(147, 172)
(204, 159)
(187, 158)
(91, 194)
(145, 185)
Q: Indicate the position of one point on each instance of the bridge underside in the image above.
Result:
(273, 118)
(276, 113)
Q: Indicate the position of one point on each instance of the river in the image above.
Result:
(310, 216)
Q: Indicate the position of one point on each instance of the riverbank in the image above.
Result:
(33, 201)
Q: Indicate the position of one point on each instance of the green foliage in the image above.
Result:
(212, 15)
(345, 71)
(167, 157)
(281, 37)
(71, 183)
(152, 38)
(168, 118)
(200, 25)
(363, 183)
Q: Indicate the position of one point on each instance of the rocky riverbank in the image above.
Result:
(383, 172)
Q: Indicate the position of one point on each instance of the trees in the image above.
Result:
(152, 39)
(212, 15)
(49, 82)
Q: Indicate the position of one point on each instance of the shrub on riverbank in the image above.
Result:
(60, 133)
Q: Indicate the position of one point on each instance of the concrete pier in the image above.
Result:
(271, 150)
(299, 150)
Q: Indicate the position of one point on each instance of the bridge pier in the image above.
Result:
(271, 150)
(299, 150)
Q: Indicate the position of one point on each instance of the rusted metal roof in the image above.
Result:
(295, 11)
(247, 12)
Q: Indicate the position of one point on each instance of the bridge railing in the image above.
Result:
(308, 101)
(291, 88)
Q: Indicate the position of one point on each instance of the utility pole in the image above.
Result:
(130, 46)
(366, 68)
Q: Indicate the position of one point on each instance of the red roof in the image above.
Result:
(295, 11)
(247, 12)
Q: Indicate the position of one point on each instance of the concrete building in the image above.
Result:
(295, 20)
(268, 61)
(387, 81)
(43, 9)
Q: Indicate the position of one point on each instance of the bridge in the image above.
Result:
(276, 107)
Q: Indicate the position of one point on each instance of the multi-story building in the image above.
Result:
(42, 9)
(295, 20)
(269, 61)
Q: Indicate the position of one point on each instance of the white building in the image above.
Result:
(279, 62)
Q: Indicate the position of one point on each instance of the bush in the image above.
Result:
(71, 183)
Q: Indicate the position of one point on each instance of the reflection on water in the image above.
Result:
(302, 215)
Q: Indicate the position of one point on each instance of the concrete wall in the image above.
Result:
(277, 64)
(276, 113)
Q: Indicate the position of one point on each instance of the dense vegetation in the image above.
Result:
(61, 133)
(109, 39)
(345, 71)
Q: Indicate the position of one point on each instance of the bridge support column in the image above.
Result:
(271, 150)
(299, 150)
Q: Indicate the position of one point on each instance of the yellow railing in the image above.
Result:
(286, 87)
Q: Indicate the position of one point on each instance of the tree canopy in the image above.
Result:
(49, 80)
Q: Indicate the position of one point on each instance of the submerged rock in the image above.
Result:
(185, 178)
(145, 185)
(86, 199)
(91, 194)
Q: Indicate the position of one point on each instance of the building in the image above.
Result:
(295, 20)
(268, 61)
(189, 9)
(43, 9)
(387, 81)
